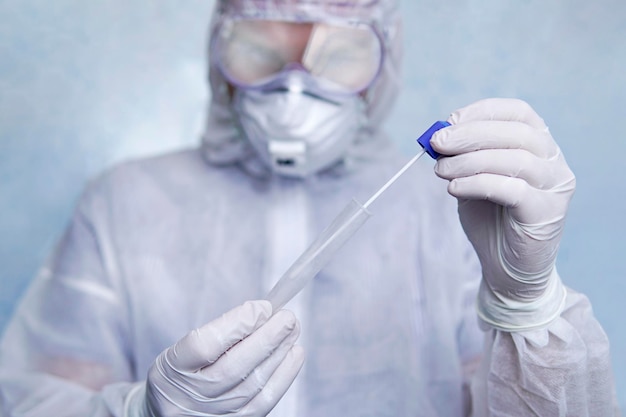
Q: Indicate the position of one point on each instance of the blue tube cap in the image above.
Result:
(424, 140)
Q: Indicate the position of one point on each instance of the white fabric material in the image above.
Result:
(391, 320)
(288, 236)
(540, 382)
(513, 187)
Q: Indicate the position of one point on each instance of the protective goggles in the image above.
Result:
(252, 53)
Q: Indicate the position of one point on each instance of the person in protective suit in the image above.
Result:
(152, 304)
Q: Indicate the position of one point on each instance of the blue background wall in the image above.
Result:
(85, 84)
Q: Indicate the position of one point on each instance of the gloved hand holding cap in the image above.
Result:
(513, 188)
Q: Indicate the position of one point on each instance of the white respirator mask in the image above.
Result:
(296, 130)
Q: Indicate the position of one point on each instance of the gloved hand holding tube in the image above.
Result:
(513, 188)
(239, 364)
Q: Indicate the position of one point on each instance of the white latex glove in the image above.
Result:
(239, 364)
(513, 188)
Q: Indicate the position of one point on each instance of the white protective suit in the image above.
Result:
(160, 246)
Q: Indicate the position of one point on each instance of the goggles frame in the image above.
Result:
(307, 81)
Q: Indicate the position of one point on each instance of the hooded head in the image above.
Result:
(225, 139)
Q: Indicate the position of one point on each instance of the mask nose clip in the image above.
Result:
(295, 80)
(295, 66)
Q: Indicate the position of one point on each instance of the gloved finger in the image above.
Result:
(478, 135)
(503, 190)
(538, 173)
(526, 204)
(245, 357)
(503, 109)
(277, 385)
(248, 386)
(204, 346)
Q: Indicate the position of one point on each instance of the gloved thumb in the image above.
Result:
(203, 346)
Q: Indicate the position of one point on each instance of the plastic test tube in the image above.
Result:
(349, 220)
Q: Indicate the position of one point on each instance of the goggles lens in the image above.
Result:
(252, 52)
